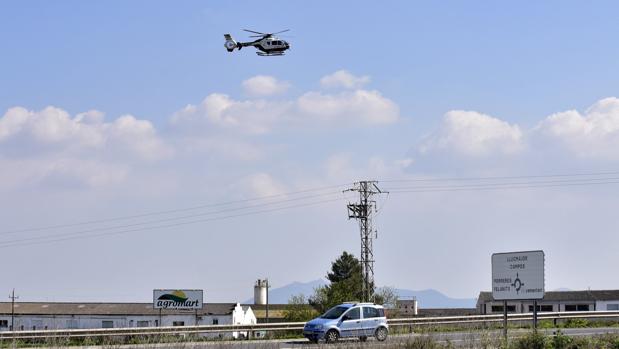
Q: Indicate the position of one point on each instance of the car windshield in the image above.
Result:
(334, 313)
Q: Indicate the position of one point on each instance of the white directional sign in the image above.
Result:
(518, 275)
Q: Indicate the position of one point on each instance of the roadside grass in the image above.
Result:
(429, 338)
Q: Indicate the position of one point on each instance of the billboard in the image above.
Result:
(177, 299)
(518, 275)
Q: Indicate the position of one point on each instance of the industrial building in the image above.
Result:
(554, 301)
(45, 315)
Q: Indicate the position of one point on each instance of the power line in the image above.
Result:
(48, 240)
(500, 177)
(82, 232)
(499, 183)
(499, 187)
(556, 181)
(155, 213)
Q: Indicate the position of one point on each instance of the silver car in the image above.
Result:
(361, 320)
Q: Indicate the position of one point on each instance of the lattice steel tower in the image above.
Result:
(363, 212)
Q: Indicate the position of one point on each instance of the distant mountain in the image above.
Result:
(434, 299)
(281, 295)
(427, 298)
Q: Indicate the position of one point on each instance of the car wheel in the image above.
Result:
(363, 338)
(381, 334)
(332, 336)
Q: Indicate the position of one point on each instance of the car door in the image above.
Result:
(371, 320)
(350, 325)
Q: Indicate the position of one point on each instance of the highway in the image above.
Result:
(469, 339)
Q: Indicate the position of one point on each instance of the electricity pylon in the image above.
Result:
(363, 211)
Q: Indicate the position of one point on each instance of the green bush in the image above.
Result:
(546, 324)
(576, 323)
(534, 340)
(561, 341)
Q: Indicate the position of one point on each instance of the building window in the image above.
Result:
(178, 323)
(608, 307)
(499, 308)
(156, 323)
(547, 308)
(577, 307)
(215, 321)
(107, 324)
(4, 323)
(142, 323)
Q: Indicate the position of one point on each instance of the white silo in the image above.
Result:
(260, 292)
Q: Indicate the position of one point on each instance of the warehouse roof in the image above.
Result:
(566, 296)
(54, 308)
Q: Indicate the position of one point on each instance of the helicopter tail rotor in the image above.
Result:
(230, 44)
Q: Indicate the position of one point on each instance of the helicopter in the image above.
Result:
(267, 44)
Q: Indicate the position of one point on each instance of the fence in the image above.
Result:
(293, 326)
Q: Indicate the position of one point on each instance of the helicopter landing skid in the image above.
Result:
(262, 54)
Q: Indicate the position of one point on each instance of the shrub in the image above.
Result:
(576, 323)
(534, 340)
(561, 341)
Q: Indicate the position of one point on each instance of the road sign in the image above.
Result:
(518, 275)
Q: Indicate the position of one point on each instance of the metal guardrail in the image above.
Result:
(294, 326)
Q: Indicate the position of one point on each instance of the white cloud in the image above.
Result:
(53, 148)
(249, 116)
(470, 133)
(55, 170)
(263, 184)
(86, 131)
(263, 85)
(228, 148)
(366, 107)
(594, 134)
(139, 136)
(343, 78)
(312, 108)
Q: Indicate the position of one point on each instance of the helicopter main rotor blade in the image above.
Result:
(255, 32)
(283, 31)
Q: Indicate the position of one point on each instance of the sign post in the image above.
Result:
(518, 276)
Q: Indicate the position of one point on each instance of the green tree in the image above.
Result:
(344, 268)
(299, 310)
(346, 284)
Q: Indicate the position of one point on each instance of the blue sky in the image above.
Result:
(418, 89)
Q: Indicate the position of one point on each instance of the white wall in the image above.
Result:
(93, 321)
(603, 305)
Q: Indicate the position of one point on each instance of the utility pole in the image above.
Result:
(363, 211)
(13, 298)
